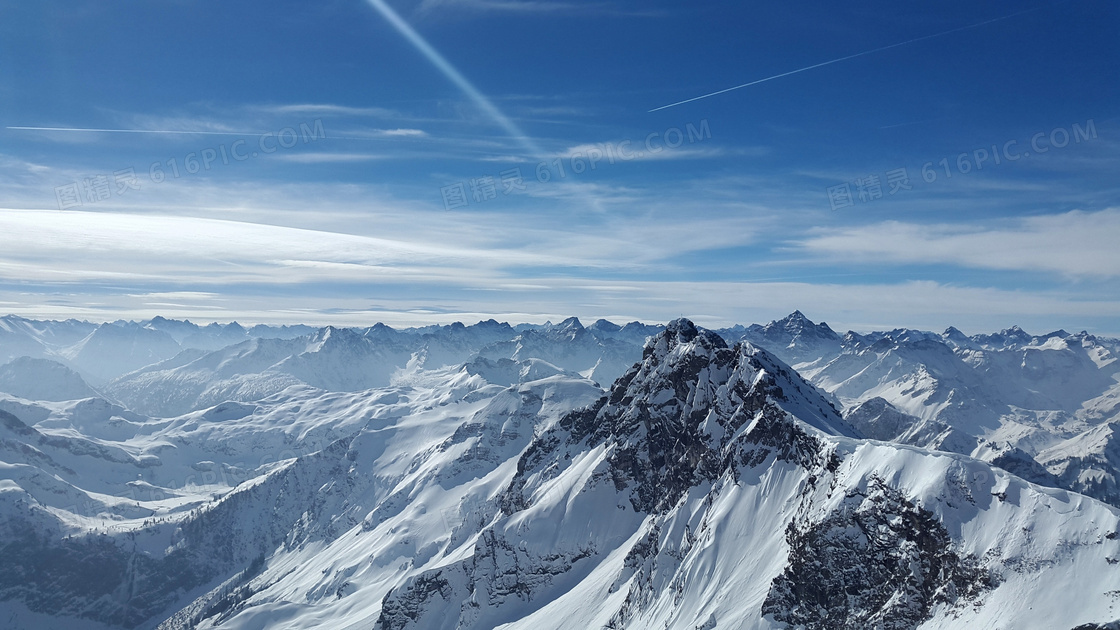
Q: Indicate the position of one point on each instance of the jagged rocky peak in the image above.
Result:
(380, 330)
(603, 325)
(332, 332)
(570, 324)
(956, 337)
(795, 338)
(1007, 338)
(796, 319)
(331, 338)
(877, 561)
(679, 337)
(674, 419)
(492, 324)
(796, 323)
(1016, 336)
(699, 368)
(639, 326)
(877, 419)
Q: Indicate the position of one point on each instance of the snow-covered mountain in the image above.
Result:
(490, 476)
(601, 354)
(794, 338)
(343, 360)
(113, 349)
(42, 379)
(1039, 405)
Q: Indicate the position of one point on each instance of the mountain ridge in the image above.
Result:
(483, 484)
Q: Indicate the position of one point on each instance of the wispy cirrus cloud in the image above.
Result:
(533, 6)
(403, 133)
(634, 153)
(327, 158)
(366, 133)
(516, 6)
(923, 304)
(1074, 244)
(161, 248)
(326, 109)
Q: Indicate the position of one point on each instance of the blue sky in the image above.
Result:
(328, 162)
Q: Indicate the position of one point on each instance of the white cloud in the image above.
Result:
(926, 305)
(327, 109)
(1074, 244)
(320, 158)
(86, 246)
(373, 134)
(180, 123)
(519, 6)
(528, 6)
(635, 152)
(403, 133)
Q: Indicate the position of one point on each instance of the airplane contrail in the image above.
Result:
(92, 130)
(456, 77)
(177, 131)
(859, 54)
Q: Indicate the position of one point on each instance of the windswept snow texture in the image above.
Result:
(42, 379)
(347, 360)
(1041, 406)
(163, 474)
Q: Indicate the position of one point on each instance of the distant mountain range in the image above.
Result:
(162, 474)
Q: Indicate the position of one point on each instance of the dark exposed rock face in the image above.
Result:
(877, 419)
(690, 412)
(1093, 470)
(398, 612)
(877, 561)
(673, 421)
(696, 411)
(105, 578)
(794, 338)
(1018, 462)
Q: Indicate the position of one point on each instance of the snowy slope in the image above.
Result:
(115, 349)
(1088, 462)
(42, 379)
(794, 338)
(709, 507)
(147, 359)
(214, 335)
(24, 337)
(382, 437)
(1004, 397)
(332, 359)
(602, 355)
(341, 359)
(196, 379)
(711, 486)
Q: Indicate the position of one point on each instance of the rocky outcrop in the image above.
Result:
(877, 561)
